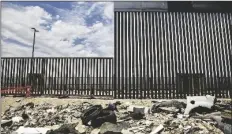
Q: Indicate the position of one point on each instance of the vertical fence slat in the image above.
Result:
(146, 57)
(20, 77)
(130, 57)
(134, 55)
(75, 76)
(50, 88)
(82, 75)
(106, 77)
(61, 76)
(11, 72)
(93, 76)
(79, 70)
(56, 71)
(227, 54)
(2, 73)
(119, 56)
(126, 55)
(103, 77)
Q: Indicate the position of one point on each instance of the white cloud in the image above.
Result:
(57, 16)
(57, 34)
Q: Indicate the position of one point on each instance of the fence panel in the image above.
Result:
(172, 54)
(58, 76)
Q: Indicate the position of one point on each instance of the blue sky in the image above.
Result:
(67, 29)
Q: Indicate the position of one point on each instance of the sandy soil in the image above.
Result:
(6, 102)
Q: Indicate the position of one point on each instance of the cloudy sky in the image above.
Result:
(66, 29)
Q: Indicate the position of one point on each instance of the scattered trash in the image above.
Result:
(64, 129)
(169, 109)
(90, 114)
(104, 116)
(17, 119)
(157, 129)
(113, 107)
(199, 102)
(24, 130)
(173, 103)
(80, 128)
(18, 100)
(95, 131)
(187, 127)
(110, 128)
(6, 123)
(138, 112)
(88, 118)
(180, 116)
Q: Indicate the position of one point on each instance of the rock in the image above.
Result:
(51, 111)
(77, 114)
(187, 127)
(54, 127)
(169, 109)
(24, 130)
(17, 108)
(74, 120)
(173, 103)
(18, 100)
(30, 105)
(6, 123)
(180, 116)
(191, 130)
(132, 108)
(95, 131)
(113, 106)
(227, 128)
(157, 129)
(64, 129)
(226, 115)
(138, 112)
(125, 105)
(81, 128)
(126, 132)
(110, 128)
(148, 123)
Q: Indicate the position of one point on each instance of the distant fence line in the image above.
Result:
(81, 76)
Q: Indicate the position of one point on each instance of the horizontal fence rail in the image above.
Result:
(172, 55)
(58, 76)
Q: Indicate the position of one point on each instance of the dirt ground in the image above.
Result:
(6, 102)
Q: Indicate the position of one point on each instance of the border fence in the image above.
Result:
(157, 55)
(172, 54)
(59, 76)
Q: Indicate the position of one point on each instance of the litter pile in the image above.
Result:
(200, 115)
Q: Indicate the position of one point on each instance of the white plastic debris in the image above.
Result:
(180, 116)
(158, 129)
(196, 101)
(146, 109)
(17, 119)
(5, 121)
(23, 130)
(187, 127)
(52, 110)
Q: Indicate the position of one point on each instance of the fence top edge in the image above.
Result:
(57, 58)
(170, 12)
